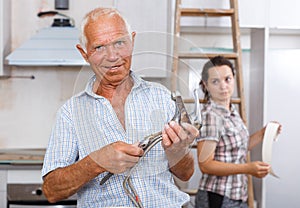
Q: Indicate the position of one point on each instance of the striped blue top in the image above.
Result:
(87, 122)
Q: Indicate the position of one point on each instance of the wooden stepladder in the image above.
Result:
(235, 56)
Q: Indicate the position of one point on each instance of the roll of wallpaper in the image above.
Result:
(270, 136)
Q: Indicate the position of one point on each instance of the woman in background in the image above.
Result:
(224, 142)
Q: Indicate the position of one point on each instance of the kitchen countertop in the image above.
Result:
(21, 157)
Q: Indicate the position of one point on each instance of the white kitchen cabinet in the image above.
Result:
(5, 11)
(251, 13)
(151, 21)
(284, 14)
(3, 182)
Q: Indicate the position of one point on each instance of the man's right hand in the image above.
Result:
(117, 157)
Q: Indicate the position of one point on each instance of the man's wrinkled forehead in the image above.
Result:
(108, 24)
(106, 34)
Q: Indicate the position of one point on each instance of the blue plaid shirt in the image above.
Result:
(228, 130)
(88, 122)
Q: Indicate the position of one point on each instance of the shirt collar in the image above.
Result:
(222, 110)
(138, 82)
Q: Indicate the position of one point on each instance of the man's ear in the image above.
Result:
(132, 38)
(82, 51)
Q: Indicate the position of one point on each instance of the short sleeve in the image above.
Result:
(62, 148)
(212, 127)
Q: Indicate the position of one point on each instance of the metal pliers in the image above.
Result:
(180, 116)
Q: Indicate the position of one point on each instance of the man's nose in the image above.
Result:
(111, 52)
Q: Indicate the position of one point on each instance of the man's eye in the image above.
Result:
(99, 48)
(119, 43)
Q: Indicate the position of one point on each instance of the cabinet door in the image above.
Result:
(284, 14)
(254, 13)
(3, 183)
(251, 13)
(149, 19)
(5, 20)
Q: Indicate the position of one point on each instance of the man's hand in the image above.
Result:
(177, 140)
(117, 157)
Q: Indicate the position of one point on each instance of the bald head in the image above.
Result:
(100, 14)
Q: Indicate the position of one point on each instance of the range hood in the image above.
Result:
(53, 46)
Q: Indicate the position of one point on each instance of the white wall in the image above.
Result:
(28, 106)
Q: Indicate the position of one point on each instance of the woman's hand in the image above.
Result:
(259, 169)
(279, 128)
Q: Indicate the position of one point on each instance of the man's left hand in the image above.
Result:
(177, 140)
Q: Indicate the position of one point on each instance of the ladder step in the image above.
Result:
(187, 12)
(194, 55)
(233, 100)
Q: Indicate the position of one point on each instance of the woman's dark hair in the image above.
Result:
(215, 61)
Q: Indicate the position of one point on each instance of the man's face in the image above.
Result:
(109, 49)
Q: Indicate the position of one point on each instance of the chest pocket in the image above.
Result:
(230, 139)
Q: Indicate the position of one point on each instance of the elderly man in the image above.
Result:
(98, 130)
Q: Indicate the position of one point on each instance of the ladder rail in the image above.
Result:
(238, 61)
(175, 45)
(240, 84)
